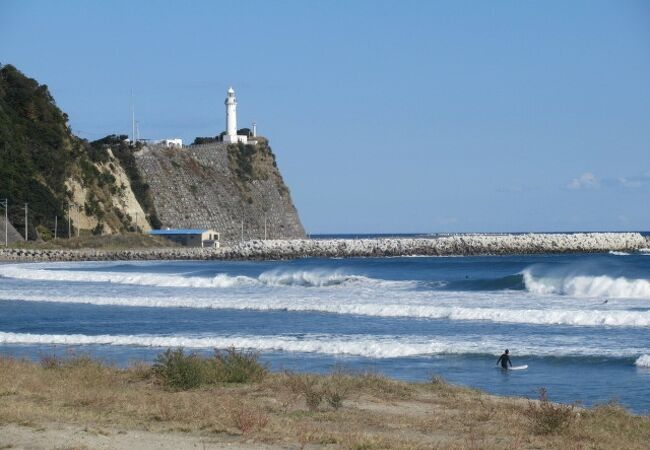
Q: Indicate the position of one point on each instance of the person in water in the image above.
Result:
(505, 360)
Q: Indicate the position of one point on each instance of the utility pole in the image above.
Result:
(69, 225)
(26, 207)
(56, 225)
(5, 203)
(78, 220)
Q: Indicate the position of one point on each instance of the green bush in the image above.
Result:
(178, 370)
(313, 398)
(232, 366)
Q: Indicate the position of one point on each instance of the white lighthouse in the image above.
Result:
(231, 135)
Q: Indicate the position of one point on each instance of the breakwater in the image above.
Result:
(461, 245)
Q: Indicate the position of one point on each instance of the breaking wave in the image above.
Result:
(272, 278)
(372, 346)
(399, 307)
(615, 253)
(587, 286)
(643, 361)
(320, 279)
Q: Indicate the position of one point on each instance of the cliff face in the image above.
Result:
(109, 187)
(44, 164)
(220, 186)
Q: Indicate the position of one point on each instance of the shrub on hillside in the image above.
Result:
(178, 370)
(181, 371)
(546, 417)
(232, 366)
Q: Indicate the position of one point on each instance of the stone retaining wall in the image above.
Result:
(12, 234)
(194, 187)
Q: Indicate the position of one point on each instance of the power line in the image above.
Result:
(5, 205)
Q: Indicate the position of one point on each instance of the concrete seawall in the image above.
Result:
(463, 245)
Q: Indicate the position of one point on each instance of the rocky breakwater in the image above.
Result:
(38, 255)
(439, 246)
(341, 248)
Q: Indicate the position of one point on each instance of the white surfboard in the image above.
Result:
(519, 367)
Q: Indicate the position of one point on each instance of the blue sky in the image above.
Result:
(406, 116)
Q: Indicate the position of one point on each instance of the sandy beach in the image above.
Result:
(83, 404)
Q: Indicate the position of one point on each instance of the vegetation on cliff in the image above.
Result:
(251, 162)
(200, 140)
(101, 187)
(36, 151)
(42, 162)
(124, 153)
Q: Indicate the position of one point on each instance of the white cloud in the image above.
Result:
(630, 182)
(634, 181)
(585, 181)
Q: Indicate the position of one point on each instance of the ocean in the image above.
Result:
(580, 322)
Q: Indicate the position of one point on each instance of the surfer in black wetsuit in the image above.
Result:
(505, 360)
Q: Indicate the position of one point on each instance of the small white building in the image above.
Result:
(231, 135)
(189, 237)
(170, 143)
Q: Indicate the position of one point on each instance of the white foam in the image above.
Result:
(25, 272)
(271, 278)
(319, 278)
(588, 286)
(614, 252)
(372, 346)
(400, 306)
(383, 347)
(643, 361)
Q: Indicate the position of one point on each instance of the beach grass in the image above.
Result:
(293, 410)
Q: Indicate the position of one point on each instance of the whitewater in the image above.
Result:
(581, 322)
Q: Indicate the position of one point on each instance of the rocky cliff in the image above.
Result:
(110, 187)
(234, 189)
(43, 164)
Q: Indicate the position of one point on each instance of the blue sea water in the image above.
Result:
(580, 322)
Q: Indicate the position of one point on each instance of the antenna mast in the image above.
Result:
(133, 138)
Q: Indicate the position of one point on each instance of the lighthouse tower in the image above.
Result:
(231, 119)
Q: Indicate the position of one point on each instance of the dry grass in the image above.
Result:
(373, 412)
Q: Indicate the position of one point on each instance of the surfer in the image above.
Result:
(505, 360)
